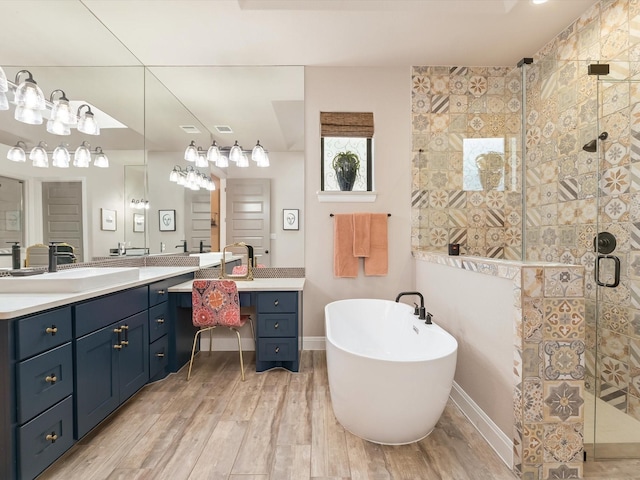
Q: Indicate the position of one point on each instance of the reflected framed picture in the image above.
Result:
(138, 222)
(12, 220)
(167, 220)
(290, 219)
(108, 219)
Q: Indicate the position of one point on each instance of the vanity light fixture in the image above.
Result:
(100, 160)
(191, 152)
(39, 155)
(86, 122)
(191, 178)
(61, 157)
(235, 154)
(17, 153)
(82, 156)
(29, 100)
(213, 154)
(220, 156)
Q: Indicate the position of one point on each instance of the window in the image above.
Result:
(351, 134)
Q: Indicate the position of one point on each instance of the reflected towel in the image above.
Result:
(344, 263)
(361, 234)
(377, 263)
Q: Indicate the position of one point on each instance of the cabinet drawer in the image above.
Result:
(158, 356)
(98, 313)
(275, 302)
(158, 321)
(45, 438)
(43, 331)
(277, 349)
(159, 291)
(44, 380)
(277, 324)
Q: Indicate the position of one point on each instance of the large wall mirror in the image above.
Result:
(147, 117)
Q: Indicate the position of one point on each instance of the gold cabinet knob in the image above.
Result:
(160, 354)
(124, 342)
(51, 378)
(52, 330)
(117, 330)
(117, 347)
(161, 292)
(160, 321)
(51, 437)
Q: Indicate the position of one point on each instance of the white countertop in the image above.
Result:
(255, 285)
(14, 305)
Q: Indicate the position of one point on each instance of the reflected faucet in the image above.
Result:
(53, 257)
(183, 245)
(202, 245)
(420, 311)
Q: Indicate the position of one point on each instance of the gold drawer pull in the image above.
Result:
(160, 354)
(117, 330)
(124, 342)
(117, 347)
(51, 378)
(52, 437)
(52, 330)
(276, 302)
(277, 349)
(160, 321)
(276, 325)
(161, 292)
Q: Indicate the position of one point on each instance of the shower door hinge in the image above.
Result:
(598, 69)
(525, 61)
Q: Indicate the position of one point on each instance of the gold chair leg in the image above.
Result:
(240, 349)
(253, 330)
(193, 352)
(210, 340)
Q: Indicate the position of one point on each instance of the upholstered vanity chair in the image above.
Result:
(215, 303)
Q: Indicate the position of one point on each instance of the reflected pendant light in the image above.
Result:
(4, 101)
(57, 127)
(257, 154)
(82, 156)
(213, 153)
(86, 122)
(39, 156)
(201, 159)
(28, 94)
(243, 161)
(265, 160)
(17, 153)
(222, 161)
(61, 157)
(27, 115)
(191, 152)
(100, 160)
(4, 83)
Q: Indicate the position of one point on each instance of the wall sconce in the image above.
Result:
(39, 155)
(61, 157)
(61, 117)
(100, 159)
(29, 100)
(82, 156)
(17, 153)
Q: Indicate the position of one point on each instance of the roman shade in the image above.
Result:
(346, 124)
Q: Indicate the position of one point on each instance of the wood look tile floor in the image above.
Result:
(274, 426)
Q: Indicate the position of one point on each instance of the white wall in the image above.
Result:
(478, 311)
(385, 92)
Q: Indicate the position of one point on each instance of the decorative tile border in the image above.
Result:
(549, 361)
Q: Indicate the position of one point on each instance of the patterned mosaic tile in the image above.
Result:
(564, 360)
(563, 442)
(613, 373)
(563, 319)
(532, 452)
(563, 282)
(562, 401)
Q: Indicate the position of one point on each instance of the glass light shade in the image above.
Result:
(87, 123)
(265, 161)
(222, 161)
(58, 128)
(39, 156)
(213, 153)
(191, 176)
(243, 162)
(182, 179)
(4, 101)
(61, 157)
(29, 116)
(28, 94)
(61, 111)
(100, 160)
(173, 176)
(146, 204)
(4, 84)
(17, 153)
(191, 152)
(82, 156)
(257, 154)
(235, 154)
(201, 159)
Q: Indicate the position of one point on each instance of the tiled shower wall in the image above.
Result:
(450, 104)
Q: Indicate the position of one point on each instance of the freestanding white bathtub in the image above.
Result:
(390, 374)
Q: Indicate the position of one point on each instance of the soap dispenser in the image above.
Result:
(15, 255)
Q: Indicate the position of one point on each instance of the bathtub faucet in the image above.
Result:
(421, 311)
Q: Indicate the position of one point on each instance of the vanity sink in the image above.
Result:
(71, 280)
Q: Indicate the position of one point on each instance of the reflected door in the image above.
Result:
(62, 215)
(249, 214)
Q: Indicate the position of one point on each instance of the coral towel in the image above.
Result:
(361, 234)
(345, 264)
(377, 263)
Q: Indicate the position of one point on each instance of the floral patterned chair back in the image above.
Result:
(216, 302)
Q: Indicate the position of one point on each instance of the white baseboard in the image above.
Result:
(227, 344)
(313, 343)
(496, 438)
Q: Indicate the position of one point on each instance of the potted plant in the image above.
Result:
(346, 165)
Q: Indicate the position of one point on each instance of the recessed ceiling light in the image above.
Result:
(224, 129)
(190, 129)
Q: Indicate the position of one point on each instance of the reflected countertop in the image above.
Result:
(14, 305)
(255, 285)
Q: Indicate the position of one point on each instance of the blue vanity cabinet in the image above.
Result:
(43, 388)
(111, 354)
(278, 330)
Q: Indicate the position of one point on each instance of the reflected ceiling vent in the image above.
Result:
(224, 129)
(190, 129)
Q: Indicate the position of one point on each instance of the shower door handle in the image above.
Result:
(616, 271)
